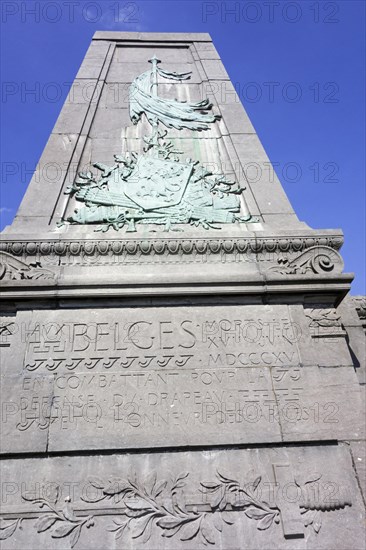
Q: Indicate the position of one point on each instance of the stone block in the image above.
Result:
(53, 168)
(176, 37)
(214, 69)
(358, 449)
(329, 406)
(71, 119)
(206, 50)
(120, 375)
(260, 175)
(125, 374)
(107, 124)
(94, 60)
(84, 91)
(178, 55)
(25, 414)
(127, 71)
(288, 498)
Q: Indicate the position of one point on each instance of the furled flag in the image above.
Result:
(172, 113)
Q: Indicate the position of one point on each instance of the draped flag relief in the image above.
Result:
(172, 113)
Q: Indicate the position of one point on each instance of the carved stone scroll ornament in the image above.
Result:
(13, 269)
(156, 187)
(317, 260)
(137, 507)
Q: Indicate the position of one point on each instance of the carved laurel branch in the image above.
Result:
(169, 246)
(141, 506)
(316, 260)
(173, 516)
(62, 523)
(14, 269)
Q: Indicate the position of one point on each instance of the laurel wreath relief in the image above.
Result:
(141, 506)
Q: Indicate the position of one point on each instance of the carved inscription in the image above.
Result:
(127, 408)
(138, 400)
(132, 372)
(155, 339)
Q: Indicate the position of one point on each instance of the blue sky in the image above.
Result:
(299, 68)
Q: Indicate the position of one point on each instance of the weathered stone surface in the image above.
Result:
(72, 117)
(261, 175)
(214, 69)
(117, 376)
(109, 409)
(178, 55)
(94, 60)
(330, 407)
(84, 91)
(159, 37)
(107, 125)
(140, 370)
(206, 50)
(251, 501)
(127, 71)
(352, 310)
(358, 449)
(174, 385)
(55, 166)
(24, 423)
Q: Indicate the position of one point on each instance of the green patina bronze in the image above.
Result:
(156, 187)
(143, 97)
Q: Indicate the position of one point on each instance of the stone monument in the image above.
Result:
(181, 365)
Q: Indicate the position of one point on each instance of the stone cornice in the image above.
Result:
(166, 246)
(109, 267)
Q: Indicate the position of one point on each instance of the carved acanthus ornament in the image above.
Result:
(14, 269)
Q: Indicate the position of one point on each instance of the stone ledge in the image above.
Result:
(152, 36)
(24, 245)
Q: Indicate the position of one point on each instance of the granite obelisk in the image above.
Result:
(182, 366)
